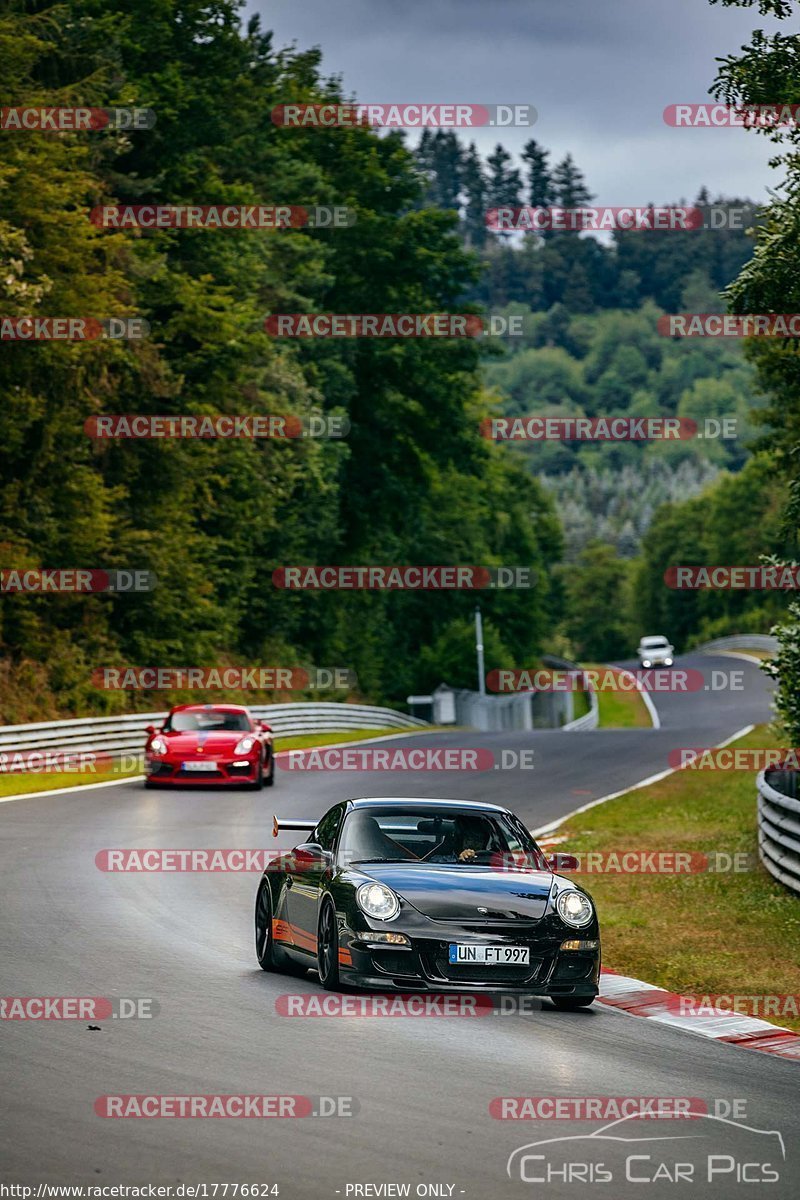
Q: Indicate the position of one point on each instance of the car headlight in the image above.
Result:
(667, 662)
(245, 745)
(158, 746)
(574, 908)
(377, 901)
(645, 662)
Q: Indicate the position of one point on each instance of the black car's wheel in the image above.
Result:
(265, 946)
(328, 947)
(567, 1003)
(269, 778)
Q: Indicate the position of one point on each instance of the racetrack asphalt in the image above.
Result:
(422, 1086)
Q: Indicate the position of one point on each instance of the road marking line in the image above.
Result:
(646, 697)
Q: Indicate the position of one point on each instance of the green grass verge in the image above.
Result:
(693, 934)
(620, 710)
(23, 784)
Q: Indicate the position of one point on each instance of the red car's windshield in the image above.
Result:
(206, 721)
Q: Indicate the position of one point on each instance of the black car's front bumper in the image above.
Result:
(425, 966)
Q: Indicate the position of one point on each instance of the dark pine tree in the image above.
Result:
(473, 178)
(570, 186)
(505, 181)
(447, 169)
(540, 182)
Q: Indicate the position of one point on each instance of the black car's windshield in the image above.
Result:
(207, 721)
(453, 837)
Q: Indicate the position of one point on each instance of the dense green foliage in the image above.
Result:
(769, 67)
(616, 364)
(681, 270)
(591, 346)
(412, 483)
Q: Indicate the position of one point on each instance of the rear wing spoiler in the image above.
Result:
(279, 823)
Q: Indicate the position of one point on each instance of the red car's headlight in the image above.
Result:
(245, 745)
(158, 746)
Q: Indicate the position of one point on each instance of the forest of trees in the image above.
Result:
(414, 482)
(591, 347)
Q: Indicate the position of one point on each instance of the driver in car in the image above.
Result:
(467, 840)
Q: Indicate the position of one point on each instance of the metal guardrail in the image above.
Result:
(589, 720)
(127, 733)
(525, 710)
(779, 826)
(743, 641)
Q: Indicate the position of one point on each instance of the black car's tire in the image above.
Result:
(328, 947)
(265, 945)
(568, 1003)
(269, 778)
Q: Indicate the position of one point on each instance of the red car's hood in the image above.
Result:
(198, 741)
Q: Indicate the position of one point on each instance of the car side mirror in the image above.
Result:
(311, 857)
(264, 727)
(150, 729)
(563, 863)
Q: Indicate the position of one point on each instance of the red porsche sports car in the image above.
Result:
(210, 743)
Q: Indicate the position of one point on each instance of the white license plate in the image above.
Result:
(202, 765)
(500, 956)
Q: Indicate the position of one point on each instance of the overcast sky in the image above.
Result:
(599, 72)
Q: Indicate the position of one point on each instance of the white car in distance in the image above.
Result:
(655, 652)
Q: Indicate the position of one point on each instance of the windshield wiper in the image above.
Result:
(357, 861)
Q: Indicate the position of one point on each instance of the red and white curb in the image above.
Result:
(641, 999)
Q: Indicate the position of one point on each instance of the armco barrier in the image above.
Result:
(118, 735)
(525, 710)
(742, 641)
(779, 826)
(589, 720)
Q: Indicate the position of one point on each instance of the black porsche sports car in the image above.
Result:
(426, 895)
